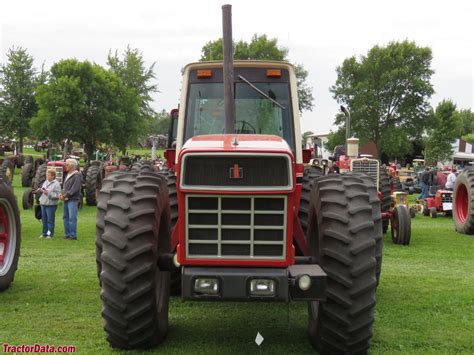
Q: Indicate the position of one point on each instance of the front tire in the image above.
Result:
(27, 199)
(341, 236)
(10, 235)
(135, 293)
(386, 198)
(401, 226)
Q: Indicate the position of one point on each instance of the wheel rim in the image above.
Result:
(461, 203)
(7, 236)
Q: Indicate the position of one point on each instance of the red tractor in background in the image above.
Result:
(393, 201)
(441, 202)
(237, 216)
(463, 201)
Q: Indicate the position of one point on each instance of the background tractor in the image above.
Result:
(10, 235)
(9, 162)
(393, 201)
(30, 194)
(463, 202)
(238, 217)
(441, 202)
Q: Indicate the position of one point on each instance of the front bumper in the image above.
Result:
(234, 283)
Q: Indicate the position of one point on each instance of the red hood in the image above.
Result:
(225, 142)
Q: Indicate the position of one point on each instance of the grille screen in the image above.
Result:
(369, 167)
(260, 171)
(236, 227)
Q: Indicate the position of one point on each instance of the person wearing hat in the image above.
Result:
(450, 181)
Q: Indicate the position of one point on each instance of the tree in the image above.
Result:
(335, 138)
(387, 91)
(18, 82)
(160, 124)
(131, 69)
(467, 120)
(88, 104)
(444, 128)
(262, 48)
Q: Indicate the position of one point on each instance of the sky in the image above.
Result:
(318, 34)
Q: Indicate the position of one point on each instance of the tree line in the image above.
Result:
(387, 92)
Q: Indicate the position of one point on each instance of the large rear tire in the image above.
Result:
(309, 176)
(386, 199)
(397, 185)
(103, 198)
(93, 183)
(10, 235)
(463, 202)
(27, 174)
(401, 226)
(7, 171)
(135, 293)
(377, 218)
(341, 236)
(40, 176)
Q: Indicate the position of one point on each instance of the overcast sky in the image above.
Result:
(319, 35)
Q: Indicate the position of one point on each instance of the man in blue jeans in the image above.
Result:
(425, 180)
(71, 194)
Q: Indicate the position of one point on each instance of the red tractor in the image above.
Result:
(441, 202)
(393, 201)
(238, 216)
(42, 145)
(10, 235)
(463, 202)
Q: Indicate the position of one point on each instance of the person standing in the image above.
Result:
(71, 194)
(425, 179)
(49, 203)
(451, 180)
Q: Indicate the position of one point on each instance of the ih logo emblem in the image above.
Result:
(236, 172)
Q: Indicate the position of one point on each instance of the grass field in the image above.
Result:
(425, 299)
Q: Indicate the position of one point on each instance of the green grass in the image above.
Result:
(425, 299)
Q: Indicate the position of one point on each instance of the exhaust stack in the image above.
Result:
(228, 69)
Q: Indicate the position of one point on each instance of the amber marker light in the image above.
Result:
(204, 73)
(274, 73)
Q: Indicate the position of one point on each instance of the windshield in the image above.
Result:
(254, 113)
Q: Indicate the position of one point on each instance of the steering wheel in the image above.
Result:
(250, 130)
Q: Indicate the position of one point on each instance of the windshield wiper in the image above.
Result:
(261, 92)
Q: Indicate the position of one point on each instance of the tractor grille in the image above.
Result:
(369, 167)
(236, 227)
(445, 197)
(59, 174)
(230, 172)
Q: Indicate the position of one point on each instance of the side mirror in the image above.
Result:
(173, 129)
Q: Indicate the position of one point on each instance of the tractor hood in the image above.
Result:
(236, 143)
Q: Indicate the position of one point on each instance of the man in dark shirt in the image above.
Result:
(425, 181)
(71, 194)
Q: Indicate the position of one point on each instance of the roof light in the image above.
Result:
(204, 73)
(274, 73)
